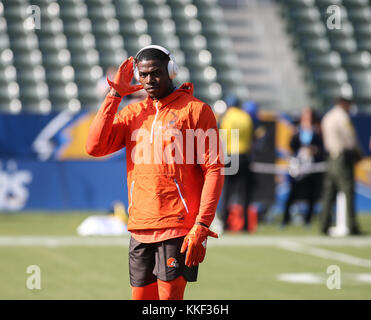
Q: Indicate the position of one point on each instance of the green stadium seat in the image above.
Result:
(344, 46)
(330, 78)
(52, 43)
(57, 59)
(315, 45)
(208, 92)
(51, 26)
(189, 28)
(214, 30)
(81, 44)
(211, 15)
(85, 58)
(357, 61)
(361, 83)
(31, 75)
(183, 76)
(3, 25)
(327, 3)
(100, 12)
(133, 28)
(331, 60)
(363, 31)
(365, 44)
(112, 58)
(8, 74)
(125, 11)
(4, 41)
(61, 75)
(88, 97)
(360, 15)
(305, 15)
(184, 13)
(157, 12)
(164, 27)
(152, 3)
(112, 43)
(205, 4)
(8, 92)
(346, 31)
(26, 42)
(106, 27)
(355, 3)
(11, 106)
(76, 11)
(78, 27)
(89, 74)
(312, 30)
(25, 59)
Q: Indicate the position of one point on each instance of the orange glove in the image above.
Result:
(123, 77)
(195, 244)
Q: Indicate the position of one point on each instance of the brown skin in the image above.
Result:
(154, 78)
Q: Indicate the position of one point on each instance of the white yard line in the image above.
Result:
(224, 240)
(324, 253)
(303, 245)
(61, 241)
(247, 240)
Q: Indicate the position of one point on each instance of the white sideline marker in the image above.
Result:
(341, 229)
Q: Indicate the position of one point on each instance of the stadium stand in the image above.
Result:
(27, 58)
(55, 65)
(337, 58)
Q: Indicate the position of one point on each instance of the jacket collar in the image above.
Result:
(186, 87)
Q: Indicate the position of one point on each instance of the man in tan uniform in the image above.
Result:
(341, 143)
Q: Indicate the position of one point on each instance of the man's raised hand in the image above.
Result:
(124, 75)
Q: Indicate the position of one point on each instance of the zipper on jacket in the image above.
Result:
(181, 196)
(154, 121)
(131, 194)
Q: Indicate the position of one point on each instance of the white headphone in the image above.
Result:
(172, 67)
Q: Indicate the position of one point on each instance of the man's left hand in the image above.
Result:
(195, 244)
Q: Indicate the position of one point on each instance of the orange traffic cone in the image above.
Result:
(235, 221)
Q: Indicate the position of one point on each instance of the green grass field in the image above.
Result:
(237, 266)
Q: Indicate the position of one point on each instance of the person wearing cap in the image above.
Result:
(173, 187)
(344, 152)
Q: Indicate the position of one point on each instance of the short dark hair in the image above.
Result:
(152, 54)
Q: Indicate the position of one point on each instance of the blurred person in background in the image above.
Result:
(252, 108)
(344, 152)
(307, 148)
(171, 202)
(237, 187)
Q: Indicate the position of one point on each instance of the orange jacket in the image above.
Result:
(168, 186)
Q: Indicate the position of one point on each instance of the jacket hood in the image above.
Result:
(186, 87)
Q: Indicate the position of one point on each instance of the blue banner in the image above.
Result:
(44, 166)
(61, 185)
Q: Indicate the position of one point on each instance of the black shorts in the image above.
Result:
(161, 260)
